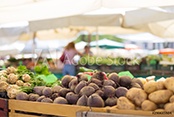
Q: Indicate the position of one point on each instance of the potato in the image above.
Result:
(135, 80)
(160, 96)
(150, 87)
(169, 107)
(143, 80)
(169, 83)
(136, 95)
(125, 104)
(148, 105)
(171, 98)
(160, 85)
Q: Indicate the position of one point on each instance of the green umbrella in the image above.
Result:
(108, 44)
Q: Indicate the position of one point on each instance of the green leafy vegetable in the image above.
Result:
(125, 73)
(42, 69)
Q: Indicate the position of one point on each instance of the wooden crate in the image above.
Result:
(3, 107)
(125, 113)
(97, 114)
(140, 113)
(34, 109)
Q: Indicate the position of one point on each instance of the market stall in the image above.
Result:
(91, 90)
(110, 89)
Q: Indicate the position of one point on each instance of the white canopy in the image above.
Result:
(141, 37)
(10, 35)
(81, 45)
(47, 14)
(11, 49)
(33, 10)
(43, 46)
(78, 20)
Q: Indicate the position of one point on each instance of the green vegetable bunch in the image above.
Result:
(42, 69)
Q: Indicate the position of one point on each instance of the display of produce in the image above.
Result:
(14, 80)
(93, 88)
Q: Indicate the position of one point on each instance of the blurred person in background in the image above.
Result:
(69, 64)
(87, 51)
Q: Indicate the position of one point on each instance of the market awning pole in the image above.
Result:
(97, 38)
(33, 47)
(89, 38)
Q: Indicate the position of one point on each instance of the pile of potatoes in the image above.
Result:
(80, 90)
(155, 96)
(10, 81)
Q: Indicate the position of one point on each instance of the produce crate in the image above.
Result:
(139, 113)
(148, 67)
(58, 75)
(96, 114)
(166, 67)
(20, 108)
(94, 66)
(125, 113)
(35, 109)
(105, 68)
(132, 67)
(141, 73)
(117, 68)
(162, 73)
(3, 95)
(3, 107)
